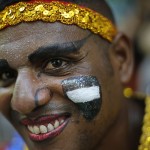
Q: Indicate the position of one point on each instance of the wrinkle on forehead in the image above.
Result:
(57, 31)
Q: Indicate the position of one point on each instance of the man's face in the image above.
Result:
(37, 61)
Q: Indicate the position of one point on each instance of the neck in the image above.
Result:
(126, 131)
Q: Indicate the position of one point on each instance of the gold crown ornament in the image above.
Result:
(52, 11)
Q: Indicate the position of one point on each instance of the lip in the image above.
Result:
(45, 120)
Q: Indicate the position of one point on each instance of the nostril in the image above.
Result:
(36, 109)
(42, 96)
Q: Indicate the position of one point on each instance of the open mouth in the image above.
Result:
(46, 127)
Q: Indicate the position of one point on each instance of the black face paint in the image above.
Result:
(84, 91)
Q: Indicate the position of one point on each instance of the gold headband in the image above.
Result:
(66, 13)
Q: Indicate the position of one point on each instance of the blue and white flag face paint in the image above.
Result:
(85, 92)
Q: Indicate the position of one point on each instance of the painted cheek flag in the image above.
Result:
(85, 92)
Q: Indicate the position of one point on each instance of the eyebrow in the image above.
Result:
(58, 49)
(4, 64)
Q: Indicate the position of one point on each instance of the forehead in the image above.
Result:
(40, 33)
(21, 40)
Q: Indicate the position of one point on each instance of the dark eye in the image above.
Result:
(7, 77)
(57, 67)
(55, 64)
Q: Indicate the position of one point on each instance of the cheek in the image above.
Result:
(5, 98)
(85, 92)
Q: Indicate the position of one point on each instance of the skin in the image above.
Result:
(17, 100)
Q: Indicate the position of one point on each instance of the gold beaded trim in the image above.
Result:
(145, 138)
(58, 11)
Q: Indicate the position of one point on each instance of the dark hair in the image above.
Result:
(4, 3)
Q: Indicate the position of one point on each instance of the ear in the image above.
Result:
(121, 56)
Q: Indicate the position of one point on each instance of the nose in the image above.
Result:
(29, 92)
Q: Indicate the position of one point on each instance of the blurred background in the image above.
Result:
(6, 132)
(133, 18)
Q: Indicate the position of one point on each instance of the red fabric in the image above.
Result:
(44, 0)
(32, 1)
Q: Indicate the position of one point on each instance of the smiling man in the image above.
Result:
(63, 66)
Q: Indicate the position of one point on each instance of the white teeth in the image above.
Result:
(62, 121)
(31, 129)
(50, 127)
(43, 129)
(36, 129)
(56, 124)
